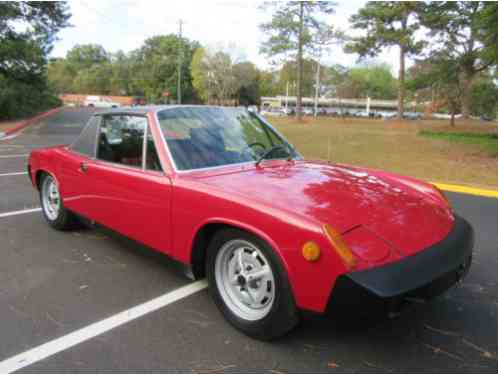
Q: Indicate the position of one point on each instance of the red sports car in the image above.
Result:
(220, 190)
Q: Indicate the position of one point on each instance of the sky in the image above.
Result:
(125, 24)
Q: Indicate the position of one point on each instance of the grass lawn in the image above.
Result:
(426, 149)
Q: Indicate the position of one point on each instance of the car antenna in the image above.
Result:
(328, 149)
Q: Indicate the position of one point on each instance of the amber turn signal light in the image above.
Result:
(340, 246)
(311, 251)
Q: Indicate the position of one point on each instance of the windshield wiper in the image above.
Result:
(271, 151)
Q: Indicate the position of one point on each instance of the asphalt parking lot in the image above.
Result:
(53, 283)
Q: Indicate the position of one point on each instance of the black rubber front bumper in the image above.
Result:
(417, 277)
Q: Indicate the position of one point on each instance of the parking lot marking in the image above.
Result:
(77, 337)
(20, 212)
(14, 156)
(468, 190)
(12, 174)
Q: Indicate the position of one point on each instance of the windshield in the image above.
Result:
(203, 137)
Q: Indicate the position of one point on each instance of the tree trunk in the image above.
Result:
(401, 83)
(452, 119)
(300, 63)
(466, 87)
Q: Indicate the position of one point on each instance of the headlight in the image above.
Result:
(340, 246)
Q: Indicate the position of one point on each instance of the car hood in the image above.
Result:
(346, 197)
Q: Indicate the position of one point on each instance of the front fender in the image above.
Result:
(195, 206)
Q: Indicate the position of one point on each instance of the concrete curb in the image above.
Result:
(30, 121)
(467, 190)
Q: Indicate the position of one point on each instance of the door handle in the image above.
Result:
(84, 167)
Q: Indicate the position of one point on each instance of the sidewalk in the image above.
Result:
(13, 127)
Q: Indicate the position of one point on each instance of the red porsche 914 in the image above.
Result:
(221, 191)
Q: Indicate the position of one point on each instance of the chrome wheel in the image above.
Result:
(50, 198)
(245, 280)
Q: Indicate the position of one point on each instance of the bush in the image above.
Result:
(20, 99)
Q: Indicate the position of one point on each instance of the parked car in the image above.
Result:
(332, 111)
(308, 111)
(445, 116)
(388, 114)
(362, 114)
(223, 192)
(487, 118)
(289, 111)
(272, 112)
(412, 115)
(100, 102)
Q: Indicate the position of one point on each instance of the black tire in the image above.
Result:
(283, 315)
(65, 219)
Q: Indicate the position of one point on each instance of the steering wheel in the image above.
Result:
(252, 145)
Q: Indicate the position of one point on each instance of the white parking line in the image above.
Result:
(12, 174)
(20, 212)
(14, 156)
(77, 337)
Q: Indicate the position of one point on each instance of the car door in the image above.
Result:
(133, 195)
(77, 190)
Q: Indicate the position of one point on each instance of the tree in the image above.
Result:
(267, 83)
(289, 74)
(94, 80)
(484, 97)
(247, 76)
(291, 32)
(387, 24)
(60, 77)
(337, 81)
(214, 76)
(199, 74)
(27, 32)
(121, 78)
(86, 55)
(375, 81)
(154, 67)
(488, 23)
(440, 74)
(456, 29)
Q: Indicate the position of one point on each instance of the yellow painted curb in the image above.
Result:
(467, 190)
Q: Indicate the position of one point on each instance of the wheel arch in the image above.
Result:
(38, 176)
(205, 233)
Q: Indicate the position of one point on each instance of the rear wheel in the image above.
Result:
(250, 285)
(52, 206)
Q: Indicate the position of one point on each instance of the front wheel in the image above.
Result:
(249, 285)
(53, 209)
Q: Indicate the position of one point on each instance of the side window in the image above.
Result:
(121, 139)
(152, 159)
(85, 143)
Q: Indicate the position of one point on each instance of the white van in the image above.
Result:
(100, 102)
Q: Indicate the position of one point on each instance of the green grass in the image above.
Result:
(488, 142)
(405, 147)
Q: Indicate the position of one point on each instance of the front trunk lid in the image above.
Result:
(345, 198)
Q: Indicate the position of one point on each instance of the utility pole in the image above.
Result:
(180, 62)
(287, 99)
(317, 86)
